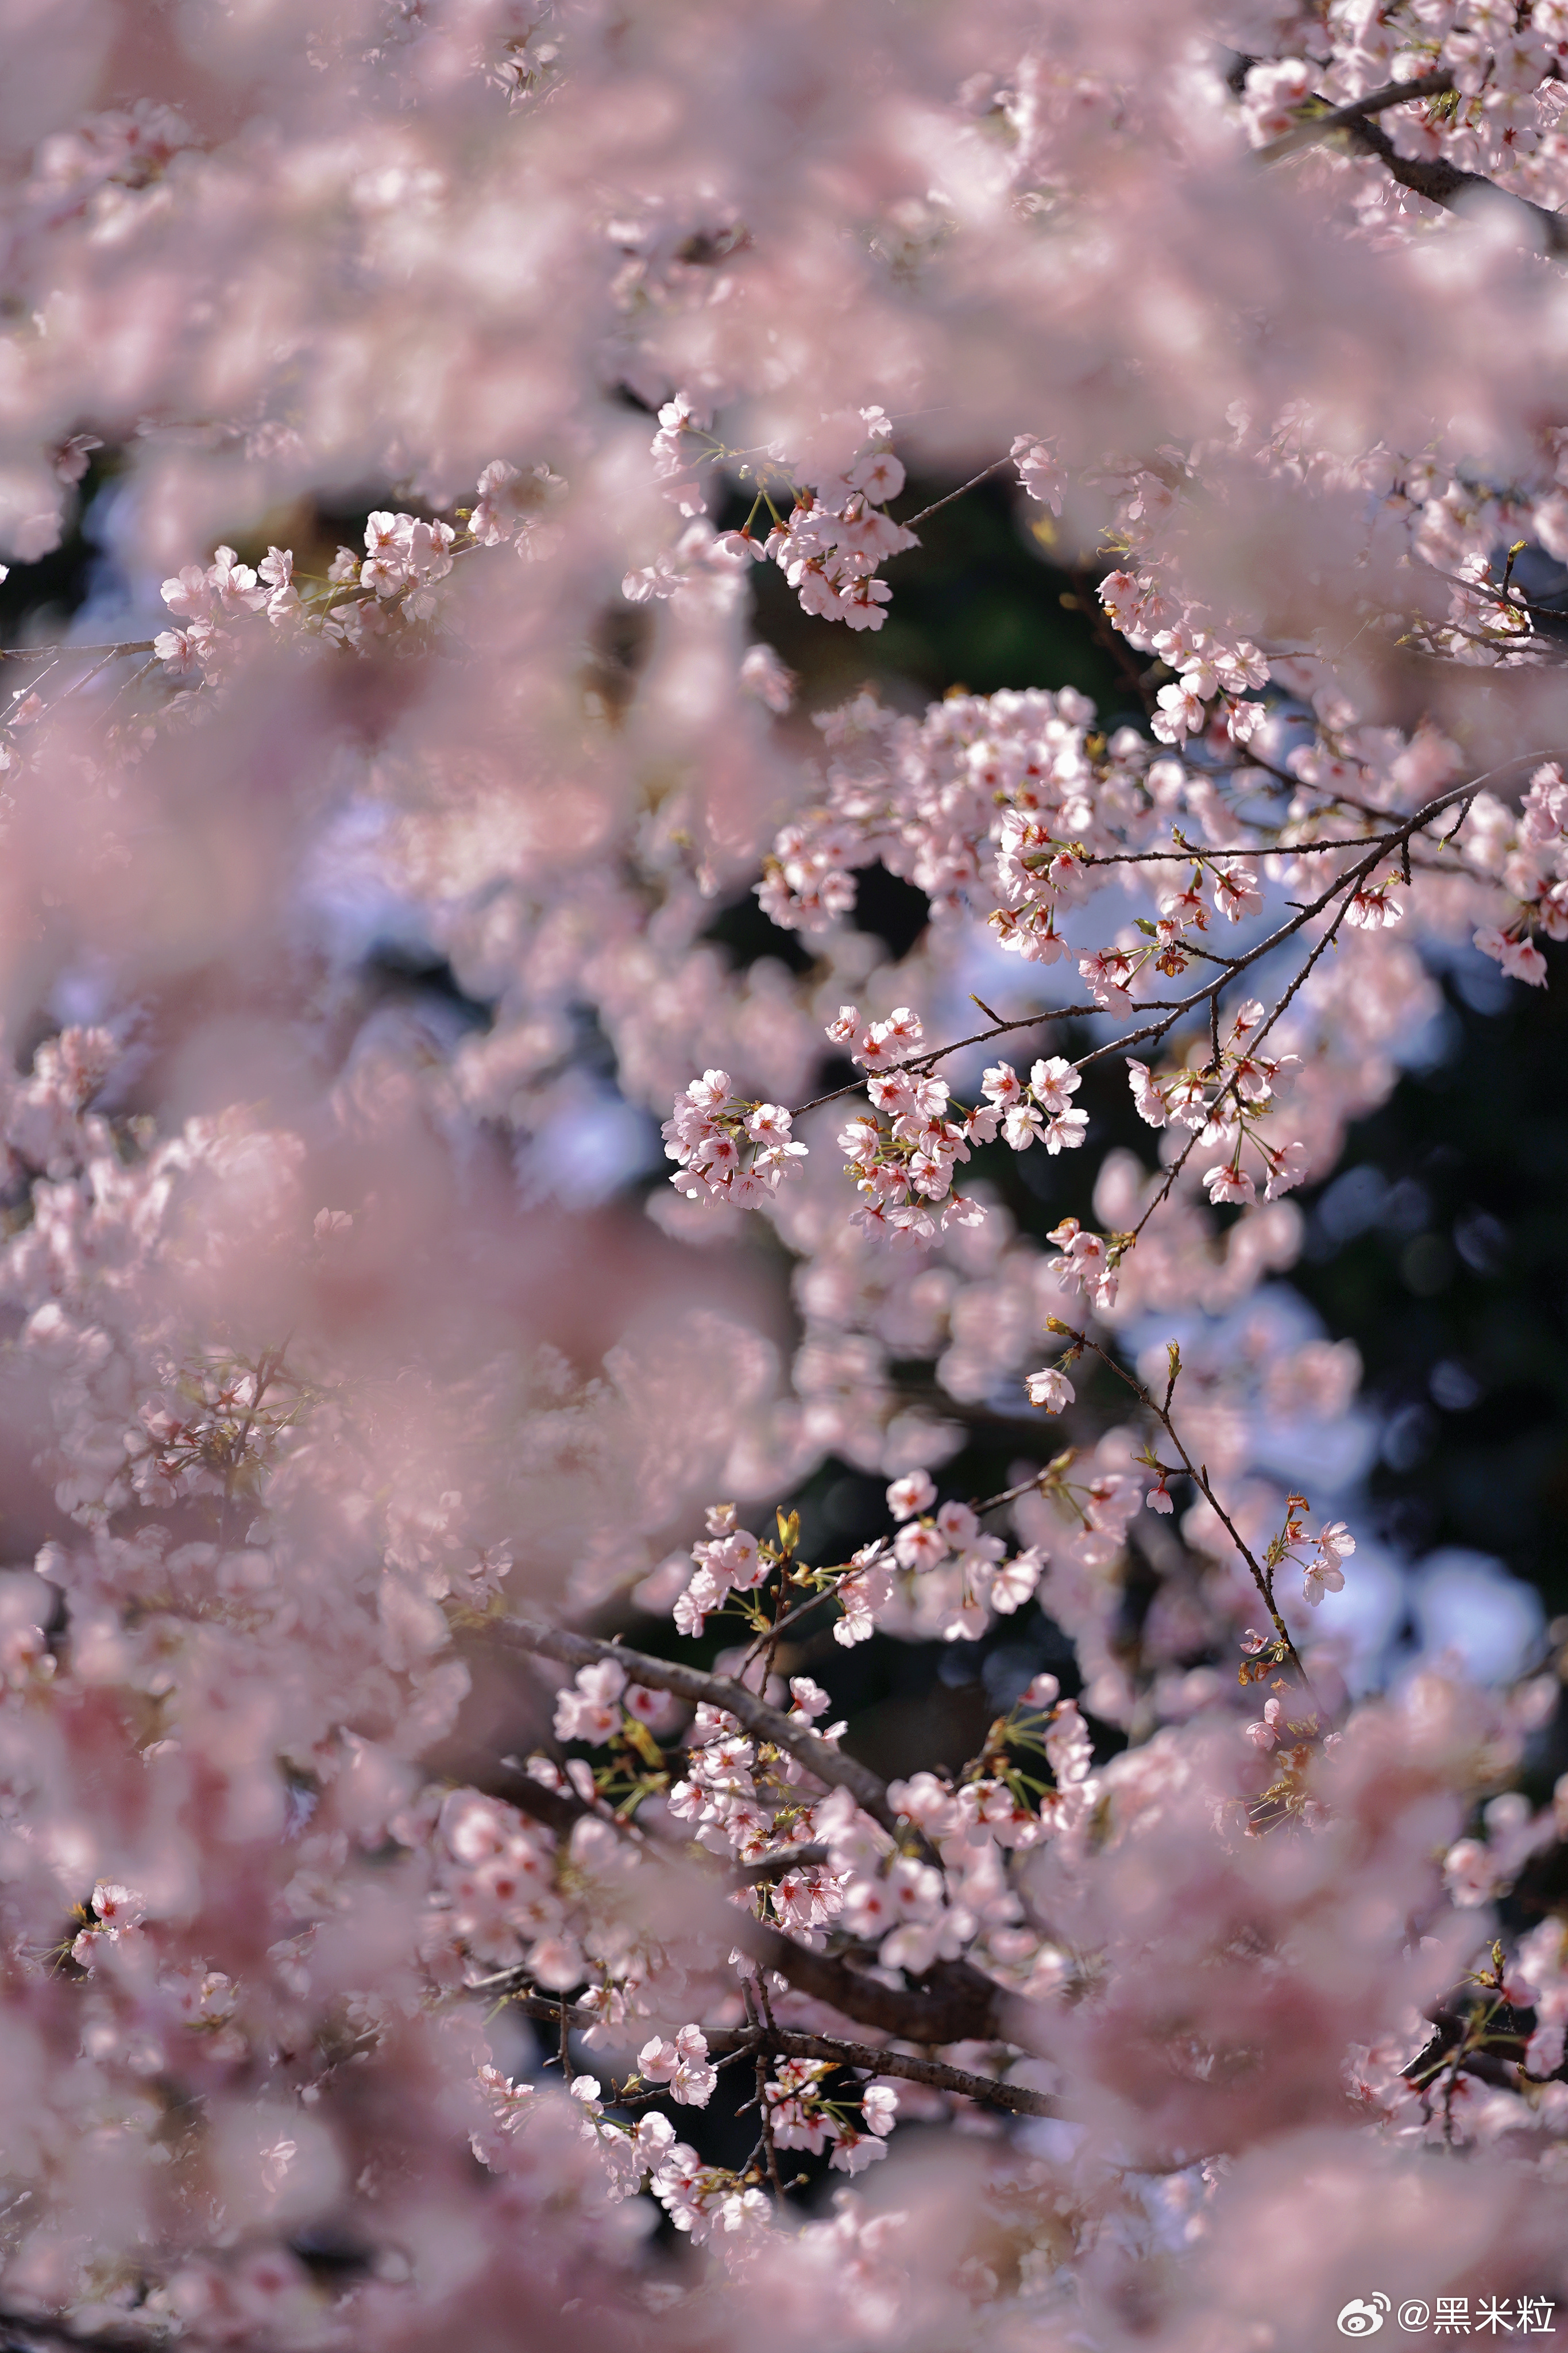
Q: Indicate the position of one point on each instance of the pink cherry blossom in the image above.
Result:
(915, 1492)
(1264, 1735)
(682, 2064)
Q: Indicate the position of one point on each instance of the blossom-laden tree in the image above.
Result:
(428, 1861)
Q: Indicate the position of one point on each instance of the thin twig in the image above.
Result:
(1199, 1473)
(937, 504)
(1190, 856)
(1375, 846)
(764, 2112)
(64, 653)
(1011, 1494)
(764, 1641)
(923, 1062)
(783, 1625)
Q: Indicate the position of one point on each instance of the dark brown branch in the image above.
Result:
(974, 483)
(774, 1866)
(828, 1764)
(786, 2043)
(1514, 600)
(1442, 183)
(1194, 857)
(958, 2003)
(1342, 118)
(1439, 180)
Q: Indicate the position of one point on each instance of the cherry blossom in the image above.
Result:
(682, 2064)
(1049, 1388)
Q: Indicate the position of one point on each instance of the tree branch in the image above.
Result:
(1442, 183)
(1342, 118)
(1375, 846)
(61, 653)
(787, 2042)
(958, 2003)
(828, 1764)
(974, 483)
(1199, 1476)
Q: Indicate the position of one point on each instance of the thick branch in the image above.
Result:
(958, 2003)
(1445, 184)
(1343, 117)
(1436, 178)
(787, 2042)
(774, 1866)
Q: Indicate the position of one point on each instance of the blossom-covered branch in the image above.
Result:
(783, 2042)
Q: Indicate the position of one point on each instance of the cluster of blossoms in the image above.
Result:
(828, 546)
(1088, 1262)
(957, 1574)
(734, 1153)
(1320, 1566)
(1040, 1111)
(731, 1561)
(406, 558)
(901, 1166)
(970, 803)
(224, 591)
(903, 1153)
(803, 2114)
(1223, 1106)
(700, 2200)
(1528, 852)
(512, 508)
(1017, 803)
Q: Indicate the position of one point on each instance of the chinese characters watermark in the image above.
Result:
(1451, 2315)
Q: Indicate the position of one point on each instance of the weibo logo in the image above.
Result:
(1363, 2315)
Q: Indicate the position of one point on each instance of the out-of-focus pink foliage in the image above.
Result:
(338, 1386)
